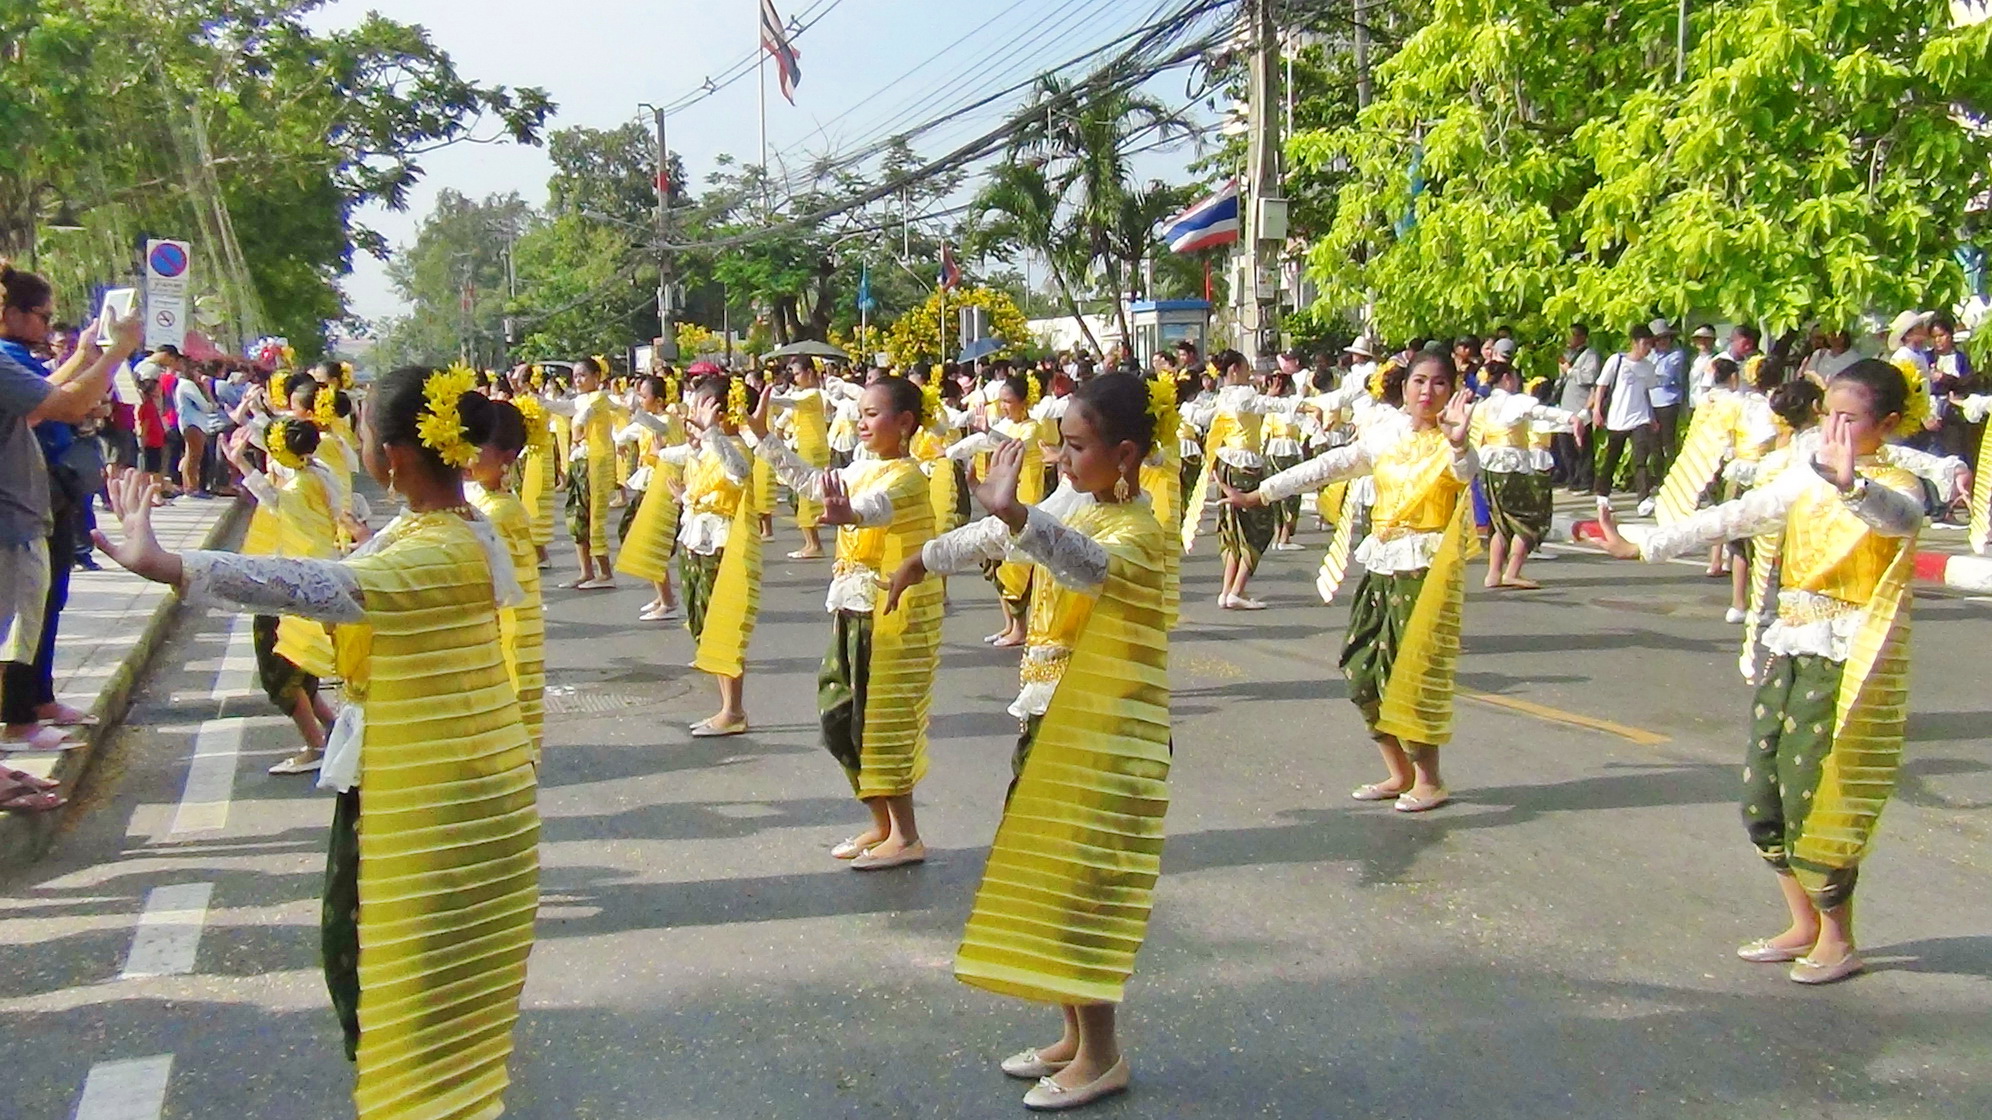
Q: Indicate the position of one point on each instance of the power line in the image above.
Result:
(751, 62)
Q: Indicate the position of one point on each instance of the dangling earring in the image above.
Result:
(1122, 491)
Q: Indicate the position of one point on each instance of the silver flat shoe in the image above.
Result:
(1030, 1065)
(1763, 952)
(1805, 970)
(1049, 1096)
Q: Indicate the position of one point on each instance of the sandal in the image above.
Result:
(42, 740)
(34, 802)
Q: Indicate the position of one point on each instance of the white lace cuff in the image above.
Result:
(1514, 460)
(965, 549)
(322, 590)
(1073, 558)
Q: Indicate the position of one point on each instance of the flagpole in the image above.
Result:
(761, 91)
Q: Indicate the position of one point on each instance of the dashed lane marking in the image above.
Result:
(131, 1089)
(169, 931)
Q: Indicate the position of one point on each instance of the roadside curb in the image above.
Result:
(27, 837)
(1950, 570)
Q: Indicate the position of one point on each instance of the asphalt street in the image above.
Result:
(1558, 943)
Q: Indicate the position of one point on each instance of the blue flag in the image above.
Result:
(865, 300)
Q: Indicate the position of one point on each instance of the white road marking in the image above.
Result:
(210, 778)
(133, 1089)
(169, 931)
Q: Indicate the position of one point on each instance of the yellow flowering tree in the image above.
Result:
(916, 335)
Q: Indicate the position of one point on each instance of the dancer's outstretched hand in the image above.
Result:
(837, 501)
(909, 574)
(1457, 420)
(137, 551)
(997, 490)
(1236, 498)
(1615, 544)
(1835, 458)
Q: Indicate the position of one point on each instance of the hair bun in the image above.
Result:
(478, 416)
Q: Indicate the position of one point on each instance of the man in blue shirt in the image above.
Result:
(1670, 388)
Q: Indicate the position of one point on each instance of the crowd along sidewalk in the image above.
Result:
(110, 629)
(1943, 555)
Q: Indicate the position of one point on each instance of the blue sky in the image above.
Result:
(870, 67)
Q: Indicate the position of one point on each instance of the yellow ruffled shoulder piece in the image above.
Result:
(449, 830)
(1070, 882)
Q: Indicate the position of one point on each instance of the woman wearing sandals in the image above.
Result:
(876, 685)
(1515, 468)
(592, 416)
(297, 512)
(1403, 637)
(1839, 524)
(432, 882)
(1064, 902)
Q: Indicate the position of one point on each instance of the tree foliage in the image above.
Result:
(916, 335)
(1530, 161)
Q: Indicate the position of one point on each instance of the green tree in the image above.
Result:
(1531, 162)
(1018, 213)
(454, 282)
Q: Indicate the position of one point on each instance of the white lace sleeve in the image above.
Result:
(559, 406)
(639, 418)
(968, 447)
(677, 455)
(731, 455)
(1333, 466)
(805, 480)
(1465, 463)
(1073, 558)
(1888, 511)
(1976, 408)
(317, 589)
(263, 489)
(1945, 472)
(1201, 413)
(964, 549)
(1758, 511)
(871, 504)
(1263, 405)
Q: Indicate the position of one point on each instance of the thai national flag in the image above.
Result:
(1206, 225)
(775, 40)
(950, 271)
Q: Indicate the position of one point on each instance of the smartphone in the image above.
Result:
(123, 301)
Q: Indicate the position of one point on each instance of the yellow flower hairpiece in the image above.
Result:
(1032, 393)
(277, 438)
(1916, 404)
(440, 427)
(539, 437)
(345, 378)
(1378, 378)
(736, 401)
(325, 406)
(535, 379)
(1162, 406)
(932, 410)
(601, 365)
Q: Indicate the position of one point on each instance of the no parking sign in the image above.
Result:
(166, 268)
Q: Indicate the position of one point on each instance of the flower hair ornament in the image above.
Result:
(440, 427)
(539, 437)
(932, 411)
(277, 440)
(1032, 393)
(1162, 406)
(325, 405)
(1916, 403)
(736, 401)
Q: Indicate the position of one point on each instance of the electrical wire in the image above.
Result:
(752, 61)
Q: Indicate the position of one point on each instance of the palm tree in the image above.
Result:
(1017, 209)
(1087, 138)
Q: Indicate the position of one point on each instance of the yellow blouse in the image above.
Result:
(1416, 489)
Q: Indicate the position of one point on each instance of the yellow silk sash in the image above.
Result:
(1697, 465)
(1066, 894)
(1417, 704)
(1220, 428)
(1335, 562)
(1981, 496)
(736, 592)
(906, 648)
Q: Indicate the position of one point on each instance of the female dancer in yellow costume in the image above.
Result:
(1235, 417)
(808, 411)
(719, 554)
(1065, 899)
(295, 516)
(433, 879)
(656, 425)
(1012, 578)
(522, 627)
(539, 468)
(593, 416)
(876, 685)
(1832, 696)
(1403, 636)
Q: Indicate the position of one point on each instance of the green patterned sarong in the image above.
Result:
(840, 690)
(1791, 735)
(1243, 532)
(1378, 618)
(697, 572)
(1519, 503)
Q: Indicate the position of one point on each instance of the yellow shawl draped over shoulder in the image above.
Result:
(906, 644)
(449, 829)
(736, 590)
(1066, 895)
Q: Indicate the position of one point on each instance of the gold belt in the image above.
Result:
(1045, 670)
(1800, 610)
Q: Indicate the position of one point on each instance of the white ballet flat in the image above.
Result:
(1049, 1096)
(1030, 1065)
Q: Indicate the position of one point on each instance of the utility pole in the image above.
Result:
(667, 271)
(1265, 215)
(1361, 27)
